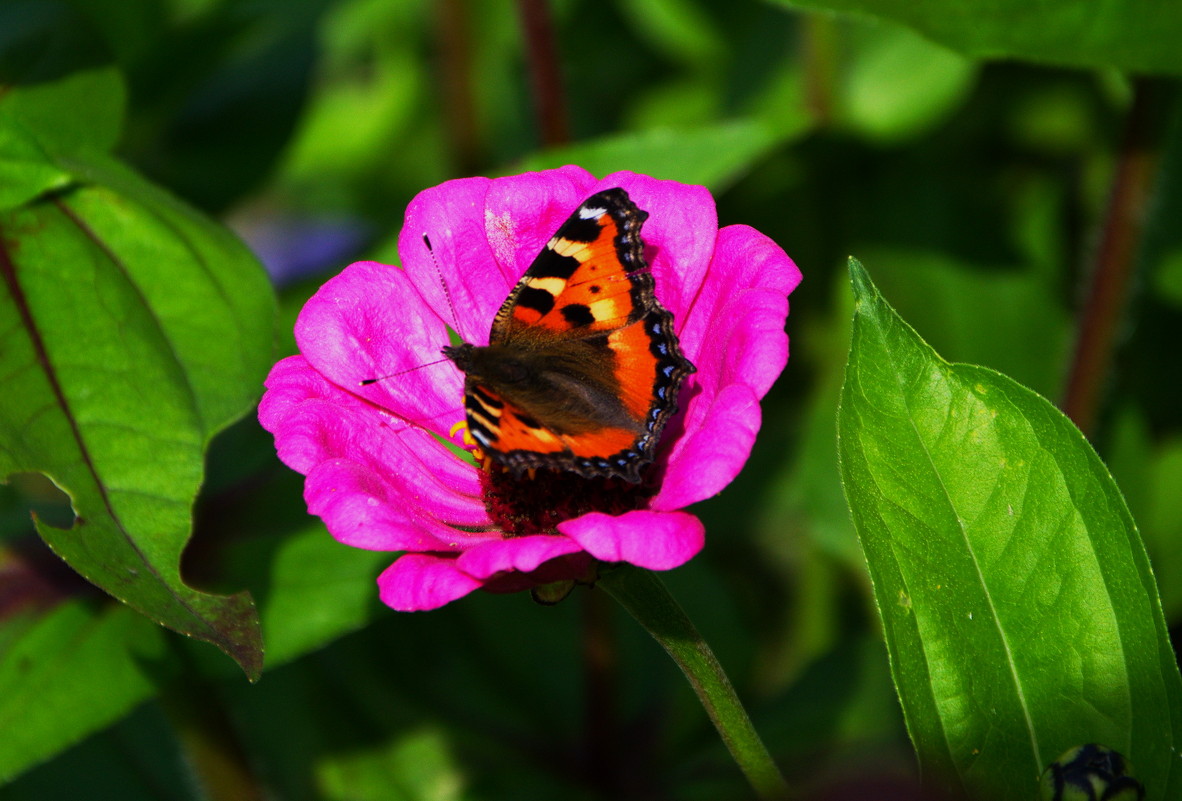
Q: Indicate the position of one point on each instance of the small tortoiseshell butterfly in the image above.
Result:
(582, 368)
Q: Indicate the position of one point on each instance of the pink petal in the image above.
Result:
(315, 421)
(369, 322)
(703, 462)
(524, 211)
(749, 351)
(572, 566)
(291, 382)
(736, 327)
(376, 483)
(654, 540)
(517, 553)
(360, 507)
(757, 259)
(361, 510)
(458, 276)
(418, 582)
(744, 261)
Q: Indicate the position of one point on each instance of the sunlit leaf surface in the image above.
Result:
(1020, 612)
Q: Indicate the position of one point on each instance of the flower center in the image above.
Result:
(538, 501)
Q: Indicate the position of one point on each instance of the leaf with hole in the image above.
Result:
(132, 329)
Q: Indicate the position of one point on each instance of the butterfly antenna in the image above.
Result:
(443, 282)
(365, 382)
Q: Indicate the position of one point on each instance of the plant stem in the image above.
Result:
(819, 41)
(1098, 327)
(599, 678)
(645, 597)
(537, 30)
(458, 105)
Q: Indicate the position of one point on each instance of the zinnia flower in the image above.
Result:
(379, 468)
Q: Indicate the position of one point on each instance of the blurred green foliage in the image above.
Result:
(972, 188)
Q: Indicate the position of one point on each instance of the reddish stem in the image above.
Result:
(819, 52)
(537, 29)
(1117, 252)
(459, 107)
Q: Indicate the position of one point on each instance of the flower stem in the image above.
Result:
(1121, 239)
(645, 597)
(541, 49)
(599, 679)
(455, 77)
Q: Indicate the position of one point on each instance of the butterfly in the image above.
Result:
(583, 367)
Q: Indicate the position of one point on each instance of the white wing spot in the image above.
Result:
(591, 212)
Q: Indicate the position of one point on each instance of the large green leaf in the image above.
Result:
(1132, 35)
(1020, 612)
(132, 329)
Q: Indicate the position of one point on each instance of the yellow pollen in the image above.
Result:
(468, 442)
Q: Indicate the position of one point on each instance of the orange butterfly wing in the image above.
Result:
(583, 367)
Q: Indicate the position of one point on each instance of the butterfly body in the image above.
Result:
(583, 367)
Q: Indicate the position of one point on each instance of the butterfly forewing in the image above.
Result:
(583, 367)
(591, 277)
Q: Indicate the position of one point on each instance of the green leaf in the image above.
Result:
(712, 156)
(130, 761)
(319, 591)
(645, 597)
(898, 84)
(315, 589)
(56, 79)
(1134, 35)
(1020, 612)
(45, 114)
(1167, 279)
(78, 113)
(71, 672)
(677, 28)
(418, 765)
(26, 170)
(1163, 522)
(132, 329)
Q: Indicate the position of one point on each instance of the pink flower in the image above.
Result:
(378, 471)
